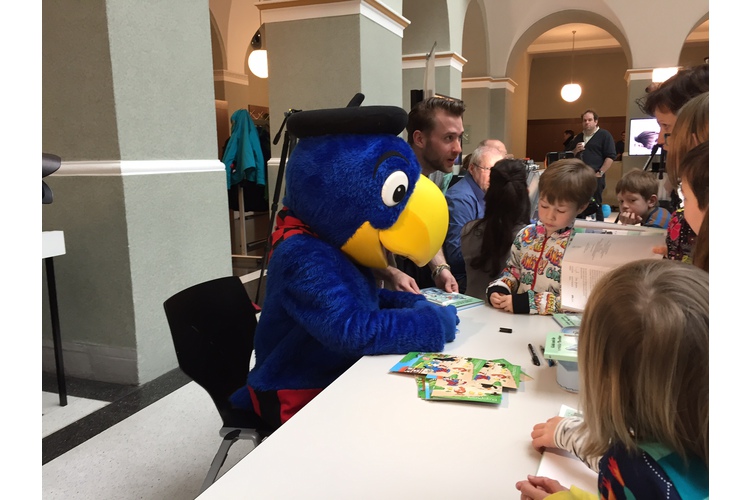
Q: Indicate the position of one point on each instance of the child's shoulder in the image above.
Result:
(657, 217)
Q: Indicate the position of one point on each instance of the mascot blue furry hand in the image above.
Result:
(354, 189)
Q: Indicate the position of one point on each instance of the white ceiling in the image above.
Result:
(589, 37)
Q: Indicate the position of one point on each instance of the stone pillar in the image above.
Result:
(488, 102)
(448, 69)
(128, 104)
(322, 52)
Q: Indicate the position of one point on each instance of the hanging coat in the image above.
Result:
(243, 156)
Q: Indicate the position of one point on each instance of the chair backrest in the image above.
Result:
(213, 327)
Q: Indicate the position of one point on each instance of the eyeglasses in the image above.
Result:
(481, 168)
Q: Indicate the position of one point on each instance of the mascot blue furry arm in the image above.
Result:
(354, 189)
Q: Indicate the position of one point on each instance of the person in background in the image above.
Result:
(664, 102)
(530, 282)
(434, 129)
(568, 143)
(694, 185)
(497, 144)
(645, 405)
(486, 242)
(466, 203)
(637, 195)
(596, 147)
(690, 129)
(620, 147)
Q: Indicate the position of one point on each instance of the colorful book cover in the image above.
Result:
(436, 365)
(443, 298)
(562, 346)
(473, 390)
(442, 376)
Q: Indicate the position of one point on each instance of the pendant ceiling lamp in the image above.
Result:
(258, 59)
(571, 91)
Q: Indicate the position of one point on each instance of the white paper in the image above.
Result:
(590, 256)
(565, 467)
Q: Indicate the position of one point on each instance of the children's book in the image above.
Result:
(442, 376)
(443, 298)
(562, 346)
(590, 256)
(600, 227)
(566, 467)
(568, 320)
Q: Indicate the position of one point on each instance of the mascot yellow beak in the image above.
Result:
(417, 234)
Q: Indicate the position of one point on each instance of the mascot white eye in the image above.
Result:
(394, 188)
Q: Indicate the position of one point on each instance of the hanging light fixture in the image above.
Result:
(258, 59)
(571, 91)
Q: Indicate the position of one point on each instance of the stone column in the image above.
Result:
(322, 52)
(128, 103)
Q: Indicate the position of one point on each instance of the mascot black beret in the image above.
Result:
(352, 119)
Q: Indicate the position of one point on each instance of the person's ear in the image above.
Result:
(652, 201)
(418, 138)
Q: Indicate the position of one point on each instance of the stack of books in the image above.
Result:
(442, 377)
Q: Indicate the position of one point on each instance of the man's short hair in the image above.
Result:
(422, 116)
(568, 180)
(638, 182)
(596, 115)
(671, 95)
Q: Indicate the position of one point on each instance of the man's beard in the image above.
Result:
(435, 162)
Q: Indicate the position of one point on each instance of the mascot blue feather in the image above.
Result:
(353, 190)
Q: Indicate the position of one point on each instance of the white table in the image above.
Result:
(53, 244)
(369, 436)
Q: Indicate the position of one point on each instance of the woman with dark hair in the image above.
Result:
(486, 242)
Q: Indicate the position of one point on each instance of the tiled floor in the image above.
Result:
(162, 451)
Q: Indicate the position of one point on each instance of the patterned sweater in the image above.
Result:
(532, 274)
(654, 472)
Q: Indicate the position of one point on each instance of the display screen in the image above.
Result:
(644, 134)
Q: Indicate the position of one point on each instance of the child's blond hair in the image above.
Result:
(690, 129)
(643, 354)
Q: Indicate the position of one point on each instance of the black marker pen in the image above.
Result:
(534, 358)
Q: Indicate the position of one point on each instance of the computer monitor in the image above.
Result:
(644, 134)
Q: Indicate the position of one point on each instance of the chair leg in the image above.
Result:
(219, 458)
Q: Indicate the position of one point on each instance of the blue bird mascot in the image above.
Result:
(354, 190)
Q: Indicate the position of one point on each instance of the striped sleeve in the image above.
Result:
(569, 436)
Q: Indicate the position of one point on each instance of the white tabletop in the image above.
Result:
(53, 244)
(368, 435)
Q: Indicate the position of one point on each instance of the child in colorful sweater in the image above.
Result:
(530, 282)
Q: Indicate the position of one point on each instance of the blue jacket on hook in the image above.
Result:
(243, 156)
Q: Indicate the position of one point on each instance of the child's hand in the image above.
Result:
(502, 302)
(629, 218)
(537, 487)
(661, 250)
(543, 435)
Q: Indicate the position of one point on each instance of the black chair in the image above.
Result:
(213, 326)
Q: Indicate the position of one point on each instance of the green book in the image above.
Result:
(568, 319)
(562, 346)
(443, 298)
